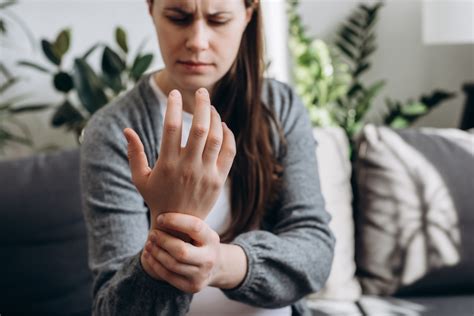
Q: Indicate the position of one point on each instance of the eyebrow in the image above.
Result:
(184, 12)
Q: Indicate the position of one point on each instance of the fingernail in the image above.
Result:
(203, 91)
(159, 219)
(174, 93)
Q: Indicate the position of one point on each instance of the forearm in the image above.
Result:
(232, 267)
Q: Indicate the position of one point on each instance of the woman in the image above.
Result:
(204, 217)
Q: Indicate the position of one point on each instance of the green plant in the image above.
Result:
(12, 130)
(353, 107)
(321, 77)
(93, 90)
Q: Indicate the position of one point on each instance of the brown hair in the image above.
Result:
(256, 173)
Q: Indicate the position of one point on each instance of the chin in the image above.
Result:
(195, 82)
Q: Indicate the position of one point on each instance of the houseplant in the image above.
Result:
(12, 130)
(351, 104)
(84, 89)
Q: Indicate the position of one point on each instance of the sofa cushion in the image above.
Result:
(416, 212)
(43, 240)
(335, 177)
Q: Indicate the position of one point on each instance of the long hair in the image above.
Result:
(256, 173)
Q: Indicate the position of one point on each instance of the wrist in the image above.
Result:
(232, 267)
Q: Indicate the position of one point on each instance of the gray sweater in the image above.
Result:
(288, 258)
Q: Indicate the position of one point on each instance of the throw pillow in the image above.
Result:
(416, 212)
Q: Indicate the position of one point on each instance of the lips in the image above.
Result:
(194, 63)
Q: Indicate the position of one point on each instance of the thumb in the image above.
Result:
(137, 158)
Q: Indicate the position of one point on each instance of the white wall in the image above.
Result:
(410, 67)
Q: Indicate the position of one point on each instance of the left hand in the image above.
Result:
(189, 267)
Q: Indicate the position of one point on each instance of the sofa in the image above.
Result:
(384, 262)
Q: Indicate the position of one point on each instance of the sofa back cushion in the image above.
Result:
(416, 213)
(43, 242)
(335, 177)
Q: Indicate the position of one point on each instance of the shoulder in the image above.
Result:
(126, 108)
(138, 109)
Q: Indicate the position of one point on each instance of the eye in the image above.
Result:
(181, 20)
(219, 22)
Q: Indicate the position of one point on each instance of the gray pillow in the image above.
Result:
(416, 213)
(43, 241)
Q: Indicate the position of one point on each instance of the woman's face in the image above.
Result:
(199, 39)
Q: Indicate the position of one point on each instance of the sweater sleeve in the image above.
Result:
(117, 226)
(294, 258)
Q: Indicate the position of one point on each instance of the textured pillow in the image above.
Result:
(43, 242)
(335, 177)
(416, 211)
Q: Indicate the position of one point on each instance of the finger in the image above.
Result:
(227, 152)
(193, 226)
(170, 263)
(200, 125)
(214, 139)
(137, 158)
(178, 249)
(172, 127)
(174, 279)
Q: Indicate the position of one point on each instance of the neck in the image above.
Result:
(165, 83)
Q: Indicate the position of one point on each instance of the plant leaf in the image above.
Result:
(35, 66)
(360, 69)
(90, 51)
(112, 64)
(414, 109)
(348, 52)
(66, 114)
(399, 122)
(113, 82)
(121, 39)
(50, 53)
(63, 40)
(88, 85)
(29, 108)
(140, 65)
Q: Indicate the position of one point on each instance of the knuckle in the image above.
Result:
(182, 254)
(199, 131)
(211, 183)
(214, 142)
(171, 128)
(215, 237)
(208, 264)
(198, 225)
(230, 151)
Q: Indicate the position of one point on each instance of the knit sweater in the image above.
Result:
(288, 258)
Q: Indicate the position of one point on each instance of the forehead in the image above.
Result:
(208, 6)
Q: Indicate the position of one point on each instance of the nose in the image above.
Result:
(198, 38)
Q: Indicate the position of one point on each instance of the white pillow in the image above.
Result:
(335, 176)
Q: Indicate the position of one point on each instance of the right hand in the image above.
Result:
(184, 179)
